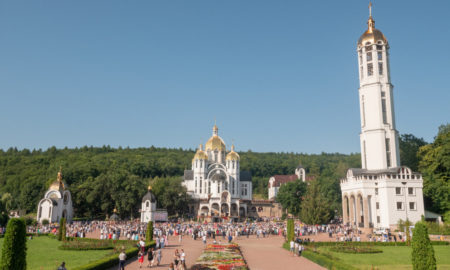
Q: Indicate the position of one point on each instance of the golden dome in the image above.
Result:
(215, 143)
(200, 154)
(372, 35)
(58, 184)
(232, 155)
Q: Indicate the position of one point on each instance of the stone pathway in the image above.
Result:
(267, 253)
(192, 249)
(260, 254)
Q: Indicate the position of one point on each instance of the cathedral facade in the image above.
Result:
(382, 192)
(219, 189)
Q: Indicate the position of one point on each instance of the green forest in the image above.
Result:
(103, 178)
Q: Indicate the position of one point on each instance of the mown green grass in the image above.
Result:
(392, 258)
(43, 254)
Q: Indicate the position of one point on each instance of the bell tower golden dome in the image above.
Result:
(372, 35)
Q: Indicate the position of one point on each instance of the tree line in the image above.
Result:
(103, 178)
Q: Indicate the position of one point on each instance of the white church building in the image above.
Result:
(220, 190)
(382, 192)
(57, 202)
(149, 212)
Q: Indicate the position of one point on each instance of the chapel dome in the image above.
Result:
(149, 196)
(58, 184)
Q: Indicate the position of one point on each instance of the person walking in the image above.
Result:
(176, 258)
(182, 257)
(122, 260)
(291, 247)
(62, 266)
(140, 258)
(158, 256)
(150, 257)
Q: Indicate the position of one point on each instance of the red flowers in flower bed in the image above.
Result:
(221, 257)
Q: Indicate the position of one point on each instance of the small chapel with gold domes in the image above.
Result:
(220, 190)
(57, 202)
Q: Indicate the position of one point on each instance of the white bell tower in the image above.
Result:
(379, 137)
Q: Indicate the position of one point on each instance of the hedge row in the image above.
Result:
(112, 260)
(85, 245)
(321, 244)
(326, 261)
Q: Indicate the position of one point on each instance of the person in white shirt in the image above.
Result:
(182, 256)
(122, 259)
(291, 247)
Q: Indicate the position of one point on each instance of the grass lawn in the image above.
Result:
(398, 258)
(43, 254)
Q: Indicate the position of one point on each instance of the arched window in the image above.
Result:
(147, 204)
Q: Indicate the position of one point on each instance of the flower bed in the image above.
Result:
(221, 257)
(349, 248)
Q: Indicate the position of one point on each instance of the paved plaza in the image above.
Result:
(260, 254)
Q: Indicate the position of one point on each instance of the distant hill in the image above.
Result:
(90, 171)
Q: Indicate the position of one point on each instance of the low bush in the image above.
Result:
(112, 260)
(86, 245)
(384, 244)
(349, 248)
(435, 228)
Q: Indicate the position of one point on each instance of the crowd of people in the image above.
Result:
(207, 233)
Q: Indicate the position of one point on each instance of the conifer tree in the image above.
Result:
(62, 230)
(63, 233)
(14, 250)
(290, 234)
(422, 250)
(149, 234)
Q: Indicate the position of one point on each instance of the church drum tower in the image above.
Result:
(382, 192)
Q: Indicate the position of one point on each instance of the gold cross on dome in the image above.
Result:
(370, 9)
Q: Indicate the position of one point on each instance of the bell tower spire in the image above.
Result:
(379, 138)
(371, 21)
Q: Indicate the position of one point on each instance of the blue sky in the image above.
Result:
(277, 75)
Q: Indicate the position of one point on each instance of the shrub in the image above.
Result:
(113, 260)
(290, 230)
(14, 251)
(79, 244)
(389, 244)
(45, 222)
(349, 248)
(62, 230)
(422, 251)
(149, 234)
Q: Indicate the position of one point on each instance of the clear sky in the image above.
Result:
(277, 75)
